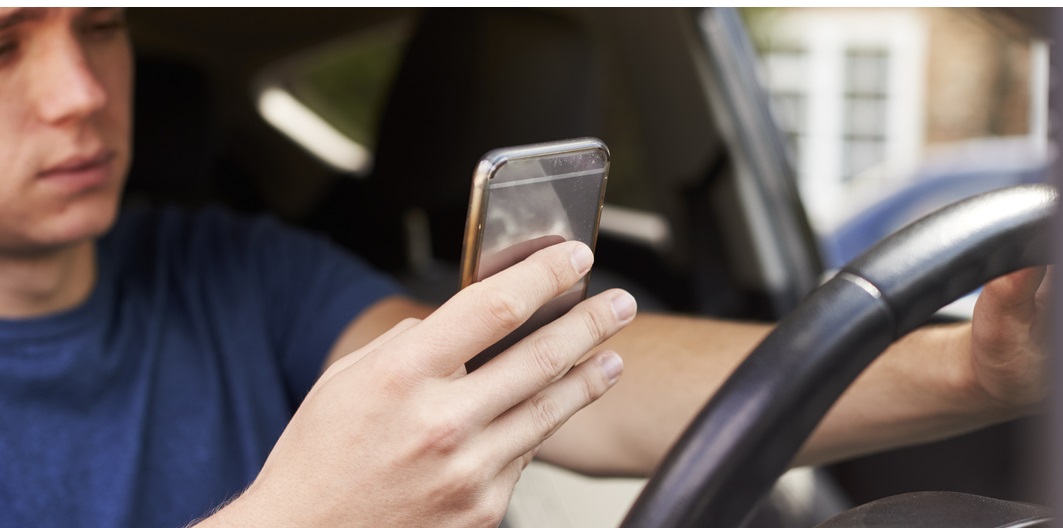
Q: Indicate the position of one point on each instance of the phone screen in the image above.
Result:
(533, 202)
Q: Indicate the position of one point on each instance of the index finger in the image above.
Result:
(511, 255)
(481, 314)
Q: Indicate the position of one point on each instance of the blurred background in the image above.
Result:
(888, 113)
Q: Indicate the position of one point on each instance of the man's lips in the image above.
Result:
(79, 173)
(74, 165)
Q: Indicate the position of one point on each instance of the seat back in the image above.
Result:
(484, 68)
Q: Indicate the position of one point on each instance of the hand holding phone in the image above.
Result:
(524, 199)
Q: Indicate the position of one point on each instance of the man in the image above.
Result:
(149, 364)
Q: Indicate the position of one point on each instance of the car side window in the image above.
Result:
(891, 113)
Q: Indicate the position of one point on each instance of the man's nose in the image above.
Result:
(68, 87)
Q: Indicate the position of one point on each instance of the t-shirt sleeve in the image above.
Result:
(312, 289)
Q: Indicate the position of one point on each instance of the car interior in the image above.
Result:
(702, 216)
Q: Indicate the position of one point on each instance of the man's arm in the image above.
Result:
(373, 322)
(936, 382)
(931, 384)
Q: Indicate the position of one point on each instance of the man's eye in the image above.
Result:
(105, 27)
(7, 49)
(108, 27)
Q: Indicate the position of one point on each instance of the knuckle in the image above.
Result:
(593, 387)
(444, 433)
(471, 489)
(333, 369)
(561, 275)
(467, 480)
(548, 357)
(598, 322)
(494, 508)
(545, 412)
(467, 488)
(400, 378)
(409, 321)
(488, 512)
(503, 308)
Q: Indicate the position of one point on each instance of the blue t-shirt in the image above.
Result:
(162, 394)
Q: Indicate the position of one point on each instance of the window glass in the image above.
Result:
(894, 112)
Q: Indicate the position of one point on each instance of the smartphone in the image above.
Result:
(524, 199)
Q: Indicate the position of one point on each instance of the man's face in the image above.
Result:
(65, 105)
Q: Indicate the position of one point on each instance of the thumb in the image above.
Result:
(1007, 344)
(1008, 304)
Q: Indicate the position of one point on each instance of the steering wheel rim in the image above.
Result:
(746, 436)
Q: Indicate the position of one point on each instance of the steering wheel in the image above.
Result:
(748, 433)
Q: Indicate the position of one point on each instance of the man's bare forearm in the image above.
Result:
(919, 390)
(672, 365)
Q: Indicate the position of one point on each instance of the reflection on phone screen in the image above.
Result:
(534, 203)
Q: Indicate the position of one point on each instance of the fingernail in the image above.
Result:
(612, 366)
(582, 258)
(624, 306)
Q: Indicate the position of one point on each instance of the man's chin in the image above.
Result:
(83, 228)
(61, 232)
